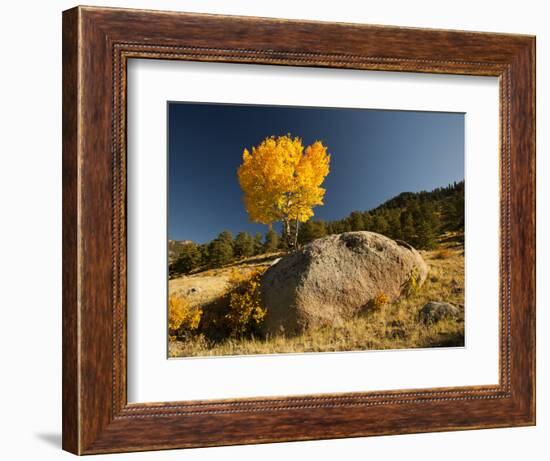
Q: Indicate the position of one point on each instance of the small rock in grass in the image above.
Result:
(435, 311)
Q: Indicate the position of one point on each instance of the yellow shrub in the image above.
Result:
(246, 312)
(412, 284)
(380, 300)
(239, 276)
(182, 318)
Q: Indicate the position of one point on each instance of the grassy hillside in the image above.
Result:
(389, 326)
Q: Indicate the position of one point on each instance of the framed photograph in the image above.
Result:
(282, 230)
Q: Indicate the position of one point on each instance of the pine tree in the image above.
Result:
(205, 253)
(394, 224)
(367, 221)
(407, 227)
(244, 245)
(312, 230)
(220, 250)
(425, 236)
(380, 224)
(258, 246)
(189, 258)
(458, 212)
(356, 221)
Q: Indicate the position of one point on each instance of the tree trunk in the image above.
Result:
(286, 234)
(296, 234)
(290, 233)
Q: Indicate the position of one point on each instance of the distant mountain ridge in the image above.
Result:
(440, 194)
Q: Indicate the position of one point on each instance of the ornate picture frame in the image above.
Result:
(97, 44)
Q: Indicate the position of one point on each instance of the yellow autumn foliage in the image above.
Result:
(412, 284)
(282, 181)
(246, 312)
(181, 316)
(380, 300)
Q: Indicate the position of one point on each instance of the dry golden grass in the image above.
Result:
(443, 253)
(390, 326)
(203, 288)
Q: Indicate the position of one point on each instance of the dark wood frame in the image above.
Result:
(97, 43)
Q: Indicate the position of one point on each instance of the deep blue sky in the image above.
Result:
(375, 155)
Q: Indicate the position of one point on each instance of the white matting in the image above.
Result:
(152, 377)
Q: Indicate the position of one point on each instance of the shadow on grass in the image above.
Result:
(256, 261)
(455, 339)
(248, 262)
(453, 240)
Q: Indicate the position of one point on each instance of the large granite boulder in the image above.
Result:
(335, 278)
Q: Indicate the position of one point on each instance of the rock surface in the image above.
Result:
(334, 278)
(435, 311)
